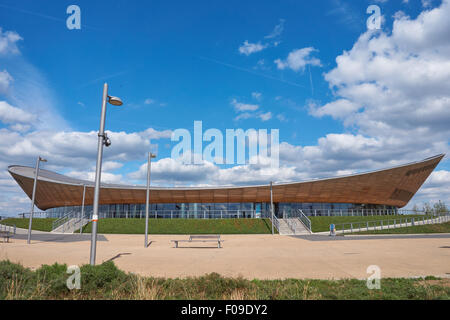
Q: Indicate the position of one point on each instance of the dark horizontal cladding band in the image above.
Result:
(392, 187)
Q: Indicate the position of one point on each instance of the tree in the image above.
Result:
(440, 207)
(427, 208)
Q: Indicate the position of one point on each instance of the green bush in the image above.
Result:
(54, 278)
(103, 277)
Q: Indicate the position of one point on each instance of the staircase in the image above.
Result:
(70, 223)
(294, 223)
(292, 226)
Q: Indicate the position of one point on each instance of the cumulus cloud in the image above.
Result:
(5, 81)
(298, 59)
(10, 114)
(397, 86)
(8, 42)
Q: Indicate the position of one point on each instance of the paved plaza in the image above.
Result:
(249, 256)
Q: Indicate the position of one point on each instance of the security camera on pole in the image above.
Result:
(102, 140)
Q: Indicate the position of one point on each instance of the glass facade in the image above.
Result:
(223, 210)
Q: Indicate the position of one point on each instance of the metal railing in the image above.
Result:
(351, 227)
(35, 215)
(292, 224)
(71, 221)
(187, 214)
(64, 219)
(305, 220)
(8, 228)
(275, 222)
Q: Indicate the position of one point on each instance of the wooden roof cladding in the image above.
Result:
(394, 186)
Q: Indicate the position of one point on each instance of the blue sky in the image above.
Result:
(173, 62)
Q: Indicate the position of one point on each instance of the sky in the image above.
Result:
(345, 98)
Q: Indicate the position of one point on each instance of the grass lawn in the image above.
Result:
(183, 226)
(106, 281)
(323, 223)
(40, 224)
(428, 228)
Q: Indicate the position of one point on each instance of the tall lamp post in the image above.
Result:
(102, 140)
(147, 200)
(36, 174)
(271, 204)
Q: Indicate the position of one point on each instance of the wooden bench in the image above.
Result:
(201, 238)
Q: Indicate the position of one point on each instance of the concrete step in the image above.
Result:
(299, 228)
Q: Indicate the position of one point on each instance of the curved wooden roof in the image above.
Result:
(394, 186)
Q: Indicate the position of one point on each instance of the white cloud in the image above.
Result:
(426, 3)
(249, 48)
(153, 134)
(10, 114)
(277, 31)
(298, 59)
(265, 116)
(8, 42)
(149, 101)
(397, 85)
(239, 106)
(90, 176)
(5, 81)
(257, 95)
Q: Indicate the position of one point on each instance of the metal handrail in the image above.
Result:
(70, 220)
(305, 220)
(8, 228)
(57, 223)
(275, 222)
(396, 223)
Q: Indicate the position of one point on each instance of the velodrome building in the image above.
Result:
(382, 191)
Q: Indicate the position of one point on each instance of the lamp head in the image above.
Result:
(115, 101)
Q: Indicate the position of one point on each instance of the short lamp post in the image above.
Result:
(36, 174)
(102, 140)
(147, 200)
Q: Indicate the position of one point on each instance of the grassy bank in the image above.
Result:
(40, 224)
(107, 282)
(323, 223)
(183, 226)
(428, 228)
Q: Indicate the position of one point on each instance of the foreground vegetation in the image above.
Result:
(183, 226)
(106, 281)
(39, 224)
(428, 228)
(320, 224)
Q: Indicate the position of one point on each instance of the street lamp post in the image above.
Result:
(36, 174)
(271, 204)
(147, 200)
(102, 140)
(82, 209)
